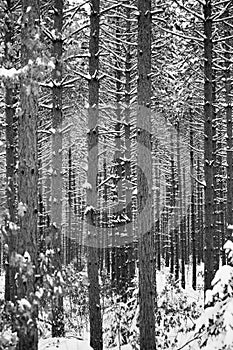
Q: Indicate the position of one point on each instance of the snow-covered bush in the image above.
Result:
(76, 306)
(214, 329)
(72, 285)
(8, 338)
(120, 319)
(175, 314)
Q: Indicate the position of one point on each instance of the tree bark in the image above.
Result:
(144, 182)
(11, 97)
(228, 109)
(193, 226)
(181, 226)
(28, 164)
(56, 181)
(96, 340)
(208, 147)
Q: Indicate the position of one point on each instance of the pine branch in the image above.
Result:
(222, 12)
(181, 35)
(223, 39)
(189, 10)
(77, 31)
(109, 9)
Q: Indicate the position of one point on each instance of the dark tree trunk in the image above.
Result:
(96, 340)
(28, 165)
(144, 182)
(228, 109)
(56, 190)
(208, 147)
(181, 226)
(11, 97)
(193, 227)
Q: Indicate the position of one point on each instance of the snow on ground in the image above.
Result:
(71, 344)
(64, 344)
(123, 347)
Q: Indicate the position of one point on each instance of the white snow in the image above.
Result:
(64, 344)
(87, 186)
(24, 303)
(22, 208)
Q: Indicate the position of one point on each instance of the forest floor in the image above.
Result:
(170, 297)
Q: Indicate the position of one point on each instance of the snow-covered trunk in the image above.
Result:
(128, 128)
(192, 209)
(222, 193)
(157, 215)
(70, 204)
(216, 237)
(28, 164)
(208, 146)
(11, 97)
(185, 217)
(96, 340)
(79, 226)
(180, 201)
(175, 247)
(56, 180)
(147, 288)
(75, 209)
(228, 109)
(200, 214)
(106, 240)
(174, 264)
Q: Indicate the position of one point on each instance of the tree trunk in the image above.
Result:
(144, 182)
(28, 165)
(228, 109)
(200, 214)
(56, 185)
(181, 226)
(193, 227)
(208, 147)
(11, 97)
(96, 340)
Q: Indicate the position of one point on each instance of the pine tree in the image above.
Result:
(28, 164)
(11, 98)
(144, 181)
(92, 251)
(208, 145)
(56, 182)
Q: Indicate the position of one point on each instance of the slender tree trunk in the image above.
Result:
(222, 205)
(200, 212)
(56, 190)
(228, 109)
(181, 227)
(144, 182)
(175, 246)
(11, 97)
(28, 165)
(70, 203)
(96, 340)
(185, 219)
(157, 217)
(208, 147)
(193, 227)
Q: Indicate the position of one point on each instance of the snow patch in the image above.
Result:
(64, 344)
